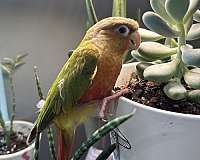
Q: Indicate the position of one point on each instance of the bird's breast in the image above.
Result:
(108, 69)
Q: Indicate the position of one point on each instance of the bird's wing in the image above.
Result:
(71, 83)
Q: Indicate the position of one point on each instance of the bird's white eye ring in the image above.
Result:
(123, 30)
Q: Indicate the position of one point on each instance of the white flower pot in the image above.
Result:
(157, 134)
(27, 153)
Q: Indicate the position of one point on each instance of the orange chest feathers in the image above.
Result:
(108, 69)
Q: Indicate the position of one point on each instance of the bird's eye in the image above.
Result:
(123, 30)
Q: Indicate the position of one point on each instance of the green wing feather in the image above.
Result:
(71, 83)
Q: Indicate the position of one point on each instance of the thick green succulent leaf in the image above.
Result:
(157, 24)
(197, 70)
(194, 32)
(92, 18)
(140, 67)
(161, 72)
(194, 5)
(192, 78)
(138, 57)
(188, 25)
(196, 16)
(194, 96)
(170, 42)
(190, 56)
(159, 7)
(147, 35)
(154, 50)
(175, 90)
(119, 8)
(177, 9)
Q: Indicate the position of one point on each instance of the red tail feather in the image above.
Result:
(64, 150)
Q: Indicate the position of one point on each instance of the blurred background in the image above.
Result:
(45, 29)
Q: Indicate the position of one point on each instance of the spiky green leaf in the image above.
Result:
(98, 134)
(119, 8)
(92, 18)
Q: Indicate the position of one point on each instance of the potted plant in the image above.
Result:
(13, 133)
(167, 83)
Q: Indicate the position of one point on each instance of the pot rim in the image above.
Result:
(30, 147)
(160, 111)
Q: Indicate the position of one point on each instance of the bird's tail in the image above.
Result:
(65, 142)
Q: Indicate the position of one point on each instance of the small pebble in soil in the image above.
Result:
(18, 142)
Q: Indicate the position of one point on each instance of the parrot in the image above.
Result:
(87, 78)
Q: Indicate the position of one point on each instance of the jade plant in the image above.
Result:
(164, 55)
(9, 67)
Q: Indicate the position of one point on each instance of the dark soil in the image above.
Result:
(151, 94)
(18, 142)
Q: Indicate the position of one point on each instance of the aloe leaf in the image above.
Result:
(98, 134)
(161, 72)
(154, 50)
(92, 18)
(140, 67)
(119, 8)
(196, 16)
(157, 24)
(192, 78)
(190, 56)
(194, 32)
(7, 60)
(159, 7)
(175, 90)
(6, 70)
(194, 96)
(138, 57)
(106, 153)
(194, 5)
(177, 9)
(147, 35)
(20, 57)
(19, 64)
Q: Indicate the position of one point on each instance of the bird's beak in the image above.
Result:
(135, 40)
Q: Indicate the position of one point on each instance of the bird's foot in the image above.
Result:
(106, 100)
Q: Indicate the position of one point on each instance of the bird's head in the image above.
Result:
(115, 33)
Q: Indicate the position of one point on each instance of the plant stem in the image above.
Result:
(181, 42)
(119, 8)
(6, 133)
(13, 104)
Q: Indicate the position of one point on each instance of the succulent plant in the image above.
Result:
(173, 62)
(9, 67)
